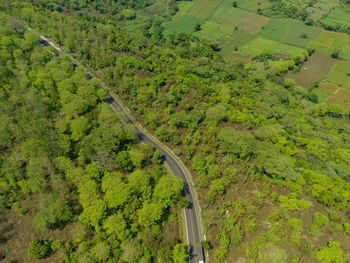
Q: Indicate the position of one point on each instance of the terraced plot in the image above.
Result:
(227, 15)
(316, 68)
(255, 46)
(182, 24)
(275, 29)
(253, 6)
(341, 98)
(329, 41)
(337, 16)
(214, 31)
(298, 34)
(252, 23)
(340, 74)
(204, 8)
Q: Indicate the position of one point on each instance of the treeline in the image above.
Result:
(63, 145)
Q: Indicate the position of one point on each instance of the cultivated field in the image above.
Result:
(329, 41)
(298, 34)
(204, 8)
(341, 98)
(182, 24)
(317, 67)
(337, 16)
(275, 29)
(243, 29)
(255, 47)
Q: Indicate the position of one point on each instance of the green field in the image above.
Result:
(346, 54)
(219, 21)
(295, 31)
(337, 16)
(254, 5)
(227, 15)
(182, 24)
(255, 46)
(214, 31)
(235, 40)
(204, 8)
(275, 29)
(328, 41)
(316, 68)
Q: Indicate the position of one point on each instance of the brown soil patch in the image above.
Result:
(316, 67)
(16, 232)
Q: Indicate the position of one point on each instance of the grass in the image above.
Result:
(339, 78)
(346, 54)
(317, 66)
(252, 23)
(184, 7)
(322, 96)
(255, 46)
(204, 8)
(235, 40)
(328, 41)
(327, 87)
(294, 33)
(214, 31)
(337, 16)
(182, 24)
(254, 5)
(341, 98)
(226, 14)
(275, 29)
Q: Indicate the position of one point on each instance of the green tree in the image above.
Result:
(38, 249)
(180, 253)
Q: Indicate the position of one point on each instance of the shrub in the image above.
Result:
(206, 245)
(335, 53)
(291, 203)
(177, 151)
(250, 225)
(334, 217)
(38, 249)
(347, 228)
(333, 253)
(237, 235)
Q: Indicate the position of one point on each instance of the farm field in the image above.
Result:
(339, 75)
(203, 8)
(298, 34)
(255, 46)
(219, 22)
(341, 98)
(317, 67)
(329, 41)
(337, 16)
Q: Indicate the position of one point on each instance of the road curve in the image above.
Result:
(196, 253)
(192, 227)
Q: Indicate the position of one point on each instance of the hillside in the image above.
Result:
(252, 96)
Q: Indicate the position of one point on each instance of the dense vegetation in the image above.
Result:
(271, 165)
(63, 145)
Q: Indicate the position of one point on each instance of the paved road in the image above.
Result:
(192, 227)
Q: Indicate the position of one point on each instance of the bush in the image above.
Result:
(206, 245)
(334, 217)
(333, 253)
(39, 249)
(237, 235)
(335, 53)
(347, 228)
(177, 151)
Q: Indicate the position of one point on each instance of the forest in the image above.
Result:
(269, 160)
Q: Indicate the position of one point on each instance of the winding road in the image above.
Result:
(196, 253)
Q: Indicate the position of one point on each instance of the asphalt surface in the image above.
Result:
(196, 253)
(192, 228)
